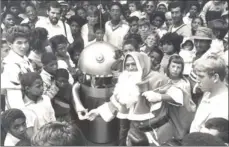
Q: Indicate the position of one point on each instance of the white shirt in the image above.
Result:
(115, 35)
(57, 29)
(10, 140)
(210, 107)
(39, 19)
(13, 66)
(84, 34)
(187, 20)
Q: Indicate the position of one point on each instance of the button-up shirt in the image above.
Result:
(13, 66)
(115, 34)
(210, 107)
(57, 29)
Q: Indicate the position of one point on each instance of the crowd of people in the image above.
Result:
(179, 49)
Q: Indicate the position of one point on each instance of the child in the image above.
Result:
(62, 102)
(14, 123)
(59, 44)
(188, 54)
(99, 30)
(157, 20)
(151, 43)
(49, 63)
(144, 28)
(32, 89)
(134, 10)
(217, 127)
(156, 56)
(133, 23)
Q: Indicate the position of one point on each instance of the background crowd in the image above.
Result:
(186, 43)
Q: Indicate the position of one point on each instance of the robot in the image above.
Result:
(96, 84)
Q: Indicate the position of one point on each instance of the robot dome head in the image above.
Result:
(97, 59)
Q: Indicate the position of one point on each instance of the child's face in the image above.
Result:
(18, 128)
(75, 28)
(61, 82)
(175, 70)
(168, 48)
(158, 21)
(81, 13)
(193, 11)
(151, 41)
(36, 89)
(128, 48)
(143, 29)
(134, 27)
(4, 50)
(51, 67)
(155, 60)
(9, 20)
(15, 10)
(132, 7)
(99, 33)
(188, 46)
(62, 50)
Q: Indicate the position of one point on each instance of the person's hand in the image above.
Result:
(152, 96)
(92, 114)
(82, 114)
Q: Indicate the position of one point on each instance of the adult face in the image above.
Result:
(18, 128)
(196, 23)
(158, 21)
(202, 45)
(175, 70)
(168, 19)
(205, 82)
(20, 46)
(128, 48)
(9, 21)
(54, 15)
(92, 19)
(15, 10)
(168, 48)
(115, 13)
(75, 28)
(130, 64)
(162, 8)
(176, 15)
(31, 13)
(193, 11)
(150, 7)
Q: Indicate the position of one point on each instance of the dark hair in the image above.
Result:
(99, 26)
(133, 42)
(173, 38)
(39, 35)
(54, 4)
(61, 72)
(201, 139)
(198, 17)
(132, 19)
(137, 4)
(137, 37)
(176, 59)
(77, 19)
(159, 14)
(219, 25)
(176, 4)
(56, 40)
(4, 14)
(31, 5)
(194, 3)
(158, 51)
(58, 134)
(221, 125)
(80, 8)
(17, 31)
(13, 4)
(117, 4)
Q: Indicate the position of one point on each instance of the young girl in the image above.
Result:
(151, 43)
(14, 124)
(196, 22)
(134, 10)
(32, 89)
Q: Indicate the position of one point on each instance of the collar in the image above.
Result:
(117, 26)
(13, 57)
(29, 101)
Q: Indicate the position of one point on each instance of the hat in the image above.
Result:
(62, 2)
(203, 33)
(225, 13)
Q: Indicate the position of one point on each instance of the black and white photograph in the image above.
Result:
(114, 73)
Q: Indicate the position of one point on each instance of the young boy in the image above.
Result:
(62, 102)
(144, 28)
(99, 30)
(14, 124)
(156, 56)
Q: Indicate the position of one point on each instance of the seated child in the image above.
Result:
(14, 124)
(217, 127)
(99, 30)
(62, 102)
(188, 54)
(32, 89)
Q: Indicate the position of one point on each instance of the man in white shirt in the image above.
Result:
(210, 72)
(116, 29)
(53, 24)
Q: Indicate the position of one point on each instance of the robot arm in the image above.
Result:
(78, 106)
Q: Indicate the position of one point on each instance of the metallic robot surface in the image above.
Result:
(96, 87)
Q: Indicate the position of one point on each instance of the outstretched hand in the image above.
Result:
(92, 114)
